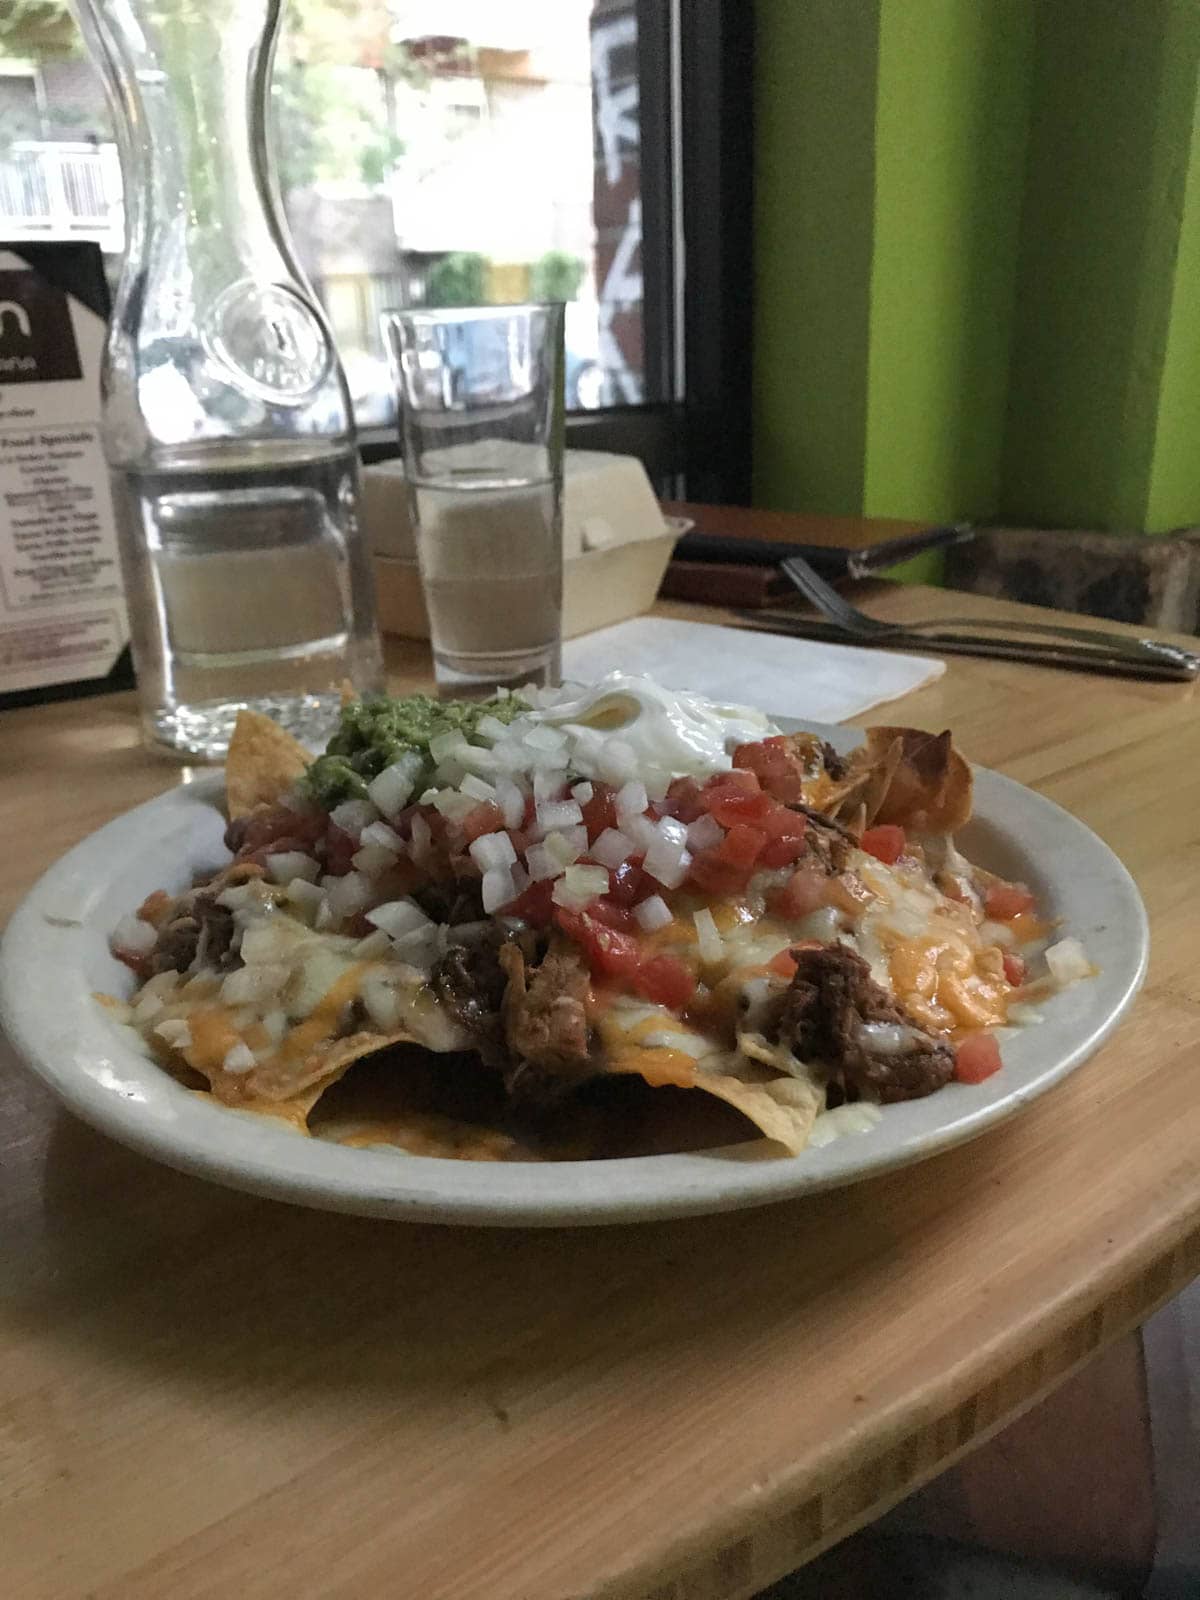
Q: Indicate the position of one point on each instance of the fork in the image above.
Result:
(1163, 658)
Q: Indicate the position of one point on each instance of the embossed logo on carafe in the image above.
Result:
(270, 340)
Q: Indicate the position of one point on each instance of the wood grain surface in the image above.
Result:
(205, 1395)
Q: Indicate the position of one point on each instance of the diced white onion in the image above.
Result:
(564, 848)
(712, 946)
(382, 1000)
(276, 1024)
(162, 984)
(542, 863)
(1068, 962)
(386, 838)
(392, 789)
(421, 840)
(491, 728)
(667, 856)
(583, 792)
(652, 914)
(511, 802)
(288, 864)
(453, 804)
(373, 860)
(134, 935)
(579, 886)
(642, 830)
(543, 737)
(374, 945)
(352, 816)
(558, 814)
(497, 889)
(477, 788)
(492, 850)
(548, 783)
(147, 1008)
(397, 917)
(998, 933)
(657, 783)
(237, 896)
(349, 895)
(240, 1058)
(704, 833)
(887, 1038)
(447, 745)
(175, 1032)
(324, 917)
(631, 799)
(612, 848)
(248, 985)
(302, 893)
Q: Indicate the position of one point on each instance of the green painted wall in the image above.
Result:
(950, 131)
(978, 259)
(1114, 93)
(814, 203)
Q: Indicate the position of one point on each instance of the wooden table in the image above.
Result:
(207, 1395)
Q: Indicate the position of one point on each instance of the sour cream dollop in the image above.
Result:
(667, 730)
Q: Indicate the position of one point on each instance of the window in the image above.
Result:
(447, 152)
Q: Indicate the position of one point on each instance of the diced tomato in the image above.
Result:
(665, 981)
(486, 818)
(781, 852)
(1004, 901)
(533, 904)
(608, 952)
(781, 822)
(683, 800)
(803, 893)
(519, 839)
(783, 965)
(339, 848)
(599, 812)
(776, 765)
(715, 876)
(612, 915)
(627, 884)
(729, 805)
(741, 846)
(530, 812)
(885, 841)
(736, 778)
(976, 1058)
(1014, 968)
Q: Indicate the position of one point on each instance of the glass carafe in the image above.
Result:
(227, 421)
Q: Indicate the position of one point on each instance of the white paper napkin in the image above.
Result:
(783, 677)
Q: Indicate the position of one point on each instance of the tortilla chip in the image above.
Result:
(262, 765)
(906, 776)
(292, 1090)
(782, 1109)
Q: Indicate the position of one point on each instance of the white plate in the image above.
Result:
(55, 956)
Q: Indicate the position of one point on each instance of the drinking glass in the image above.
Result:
(481, 400)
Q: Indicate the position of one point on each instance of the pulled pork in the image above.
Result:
(527, 1019)
(827, 1015)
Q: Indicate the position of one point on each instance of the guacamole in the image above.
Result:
(377, 731)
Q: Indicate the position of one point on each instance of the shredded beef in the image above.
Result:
(452, 900)
(835, 765)
(830, 997)
(545, 1023)
(470, 982)
(826, 841)
(198, 933)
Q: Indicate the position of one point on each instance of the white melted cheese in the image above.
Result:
(666, 729)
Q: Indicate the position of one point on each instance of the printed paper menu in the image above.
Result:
(62, 610)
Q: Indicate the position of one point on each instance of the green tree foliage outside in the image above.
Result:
(556, 276)
(457, 280)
